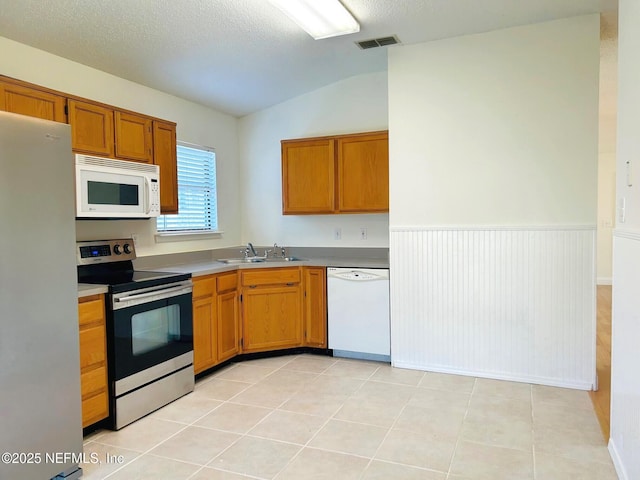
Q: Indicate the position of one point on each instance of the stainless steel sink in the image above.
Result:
(285, 259)
(241, 260)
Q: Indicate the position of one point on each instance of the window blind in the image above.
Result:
(196, 192)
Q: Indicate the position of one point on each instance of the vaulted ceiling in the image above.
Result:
(240, 56)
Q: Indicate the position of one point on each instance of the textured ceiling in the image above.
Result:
(239, 56)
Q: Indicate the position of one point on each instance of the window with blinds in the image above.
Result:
(198, 210)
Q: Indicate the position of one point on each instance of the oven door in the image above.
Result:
(150, 327)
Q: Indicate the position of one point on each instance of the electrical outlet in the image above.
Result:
(337, 233)
(363, 233)
(134, 237)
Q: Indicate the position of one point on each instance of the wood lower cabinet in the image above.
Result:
(337, 174)
(93, 359)
(228, 318)
(204, 316)
(134, 138)
(271, 309)
(315, 306)
(257, 310)
(216, 334)
(32, 102)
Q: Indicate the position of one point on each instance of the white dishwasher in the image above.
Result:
(358, 313)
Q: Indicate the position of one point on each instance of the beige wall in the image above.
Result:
(499, 128)
(356, 104)
(607, 144)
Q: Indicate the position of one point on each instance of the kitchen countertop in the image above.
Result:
(212, 266)
(208, 267)
(88, 289)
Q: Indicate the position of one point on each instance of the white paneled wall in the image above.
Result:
(514, 303)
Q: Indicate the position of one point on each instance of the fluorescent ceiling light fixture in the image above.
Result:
(319, 18)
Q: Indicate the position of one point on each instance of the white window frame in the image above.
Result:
(190, 233)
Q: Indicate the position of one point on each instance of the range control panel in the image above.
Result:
(103, 251)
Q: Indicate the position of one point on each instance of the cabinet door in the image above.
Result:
(91, 128)
(133, 137)
(272, 318)
(32, 102)
(228, 326)
(93, 359)
(363, 173)
(165, 156)
(315, 307)
(204, 347)
(308, 176)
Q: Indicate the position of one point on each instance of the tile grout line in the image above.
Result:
(302, 447)
(390, 428)
(331, 417)
(455, 448)
(243, 435)
(176, 433)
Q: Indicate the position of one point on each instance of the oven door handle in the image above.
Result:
(157, 294)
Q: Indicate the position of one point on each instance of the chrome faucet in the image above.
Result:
(253, 250)
(282, 250)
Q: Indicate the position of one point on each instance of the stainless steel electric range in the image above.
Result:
(149, 329)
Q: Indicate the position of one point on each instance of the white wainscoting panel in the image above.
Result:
(514, 303)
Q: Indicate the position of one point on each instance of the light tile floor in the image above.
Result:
(312, 417)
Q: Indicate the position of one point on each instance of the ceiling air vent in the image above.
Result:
(378, 42)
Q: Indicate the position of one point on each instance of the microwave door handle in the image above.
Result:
(147, 190)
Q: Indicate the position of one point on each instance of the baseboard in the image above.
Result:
(617, 461)
(604, 281)
(551, 382)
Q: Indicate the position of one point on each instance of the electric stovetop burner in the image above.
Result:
(109, 262)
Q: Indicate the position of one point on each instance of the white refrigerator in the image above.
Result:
(40, 405)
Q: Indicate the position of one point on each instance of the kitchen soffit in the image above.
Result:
(240, 56)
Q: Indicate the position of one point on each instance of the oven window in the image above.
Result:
(154, 329)
(104, 193)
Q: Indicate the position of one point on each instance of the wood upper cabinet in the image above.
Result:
(134, 138)
(32, 102)
(93, 359)
(91, 128)
(102, 130)
(271, 309)
(363, 173)
(338, 174)
(165, 156)
(308, 176)
(315, 306)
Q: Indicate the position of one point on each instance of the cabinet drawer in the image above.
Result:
(93, 381)
(271, 276)
(95, 408)
(91, 310)
(92, 346)
(227, 282)
(204, 286)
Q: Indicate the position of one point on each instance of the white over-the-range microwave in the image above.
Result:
(107, 188)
